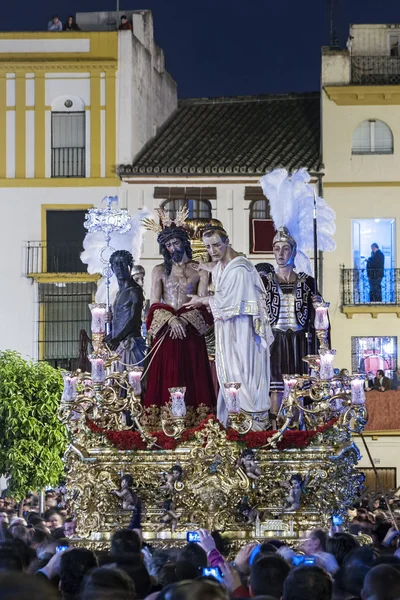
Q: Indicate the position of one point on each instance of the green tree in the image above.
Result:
(32, 439)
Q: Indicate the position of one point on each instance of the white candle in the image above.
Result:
(99, 313)
(289, 382)
(357, 390)
(134, 381)
(326, 369)
(321, 321)
(178, 407)
(232, 400)
(69, 392)
(98, 370)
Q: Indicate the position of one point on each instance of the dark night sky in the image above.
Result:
(229, 47)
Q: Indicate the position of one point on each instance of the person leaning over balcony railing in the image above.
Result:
(55, 24)
(382, 383)
(396, 380)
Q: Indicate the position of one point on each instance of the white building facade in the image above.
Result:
(72, 106)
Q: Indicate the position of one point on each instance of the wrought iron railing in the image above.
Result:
(43, 257)
(68, 162)
(375, 70)
(359, 286)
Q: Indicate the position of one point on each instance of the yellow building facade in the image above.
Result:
(72, 107)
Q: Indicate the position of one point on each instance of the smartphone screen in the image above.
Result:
(193, 536)
(212, 572)
(61, 548)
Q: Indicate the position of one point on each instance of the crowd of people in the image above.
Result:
(41, 557)
(55, 24)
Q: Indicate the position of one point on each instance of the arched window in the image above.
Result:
(198, 209)
(68, 137)
(372, 137)
(262, 229)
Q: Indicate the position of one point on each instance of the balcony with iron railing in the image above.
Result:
(68, 162)
(46, 261)
(372, 292)
(375, 70)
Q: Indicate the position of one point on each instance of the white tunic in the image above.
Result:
(242, 335)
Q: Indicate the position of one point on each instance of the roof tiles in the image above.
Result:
(235, 136)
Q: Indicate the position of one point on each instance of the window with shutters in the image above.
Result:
(262, 229)
(68, 144)
(372, 137)
(197, 200)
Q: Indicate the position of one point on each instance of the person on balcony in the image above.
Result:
(375, 272)
(71, 25)
(382, 383)
(55, 24)
(125, 25)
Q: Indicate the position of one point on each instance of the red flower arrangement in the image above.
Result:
(131, 440)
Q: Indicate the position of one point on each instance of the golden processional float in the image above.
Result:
(188, 471)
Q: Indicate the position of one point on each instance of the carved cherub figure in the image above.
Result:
(296, 483)
(174, 475)
(248, 464)
(170, 517)
(126, 494)
(246, 512)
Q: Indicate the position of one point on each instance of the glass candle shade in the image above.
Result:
(69, 391)
(178, 408)
(289, 381)
(134, 377)
(98, 370)
(321, 320)
(357, 389)
(99, 313)
(232, 400)
(326, 369)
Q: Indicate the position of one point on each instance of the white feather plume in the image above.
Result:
(132, 241)
(291, 200)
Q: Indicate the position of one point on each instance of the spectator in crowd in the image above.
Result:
(106, 583)
(382, 383)
(125, 25)
(369, 381)
(381, 583)
(396, 380)
(75, 564)
(315, 545)
(340, 545)
(71, 24)
(268, 575)
(375, 272)
(307, 583)
(69, 527)
(55, 24)
(18, 586)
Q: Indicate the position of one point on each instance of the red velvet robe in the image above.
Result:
(179, 362)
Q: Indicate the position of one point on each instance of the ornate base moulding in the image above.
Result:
(290, 492)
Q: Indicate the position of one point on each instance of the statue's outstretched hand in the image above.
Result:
(196, 301)
(208, 266)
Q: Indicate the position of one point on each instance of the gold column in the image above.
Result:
(3, 126)
(20, 125)
(111, 124)
(95, 125)
(40, 125)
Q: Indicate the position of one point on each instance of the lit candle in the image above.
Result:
(178, 407)
(99, 312)
(357, 389)
(134, 377)
(98, 370)
(232, 397)
(69, 392)
(326, 369)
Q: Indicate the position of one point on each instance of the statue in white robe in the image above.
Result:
(242, 332)
(242, 336)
